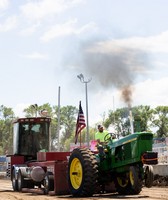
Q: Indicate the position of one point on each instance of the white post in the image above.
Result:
(131, 122)
(58, 126)
(87, 118)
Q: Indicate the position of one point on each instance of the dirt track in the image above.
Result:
(153, 193)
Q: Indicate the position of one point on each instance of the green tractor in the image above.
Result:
(126, 162)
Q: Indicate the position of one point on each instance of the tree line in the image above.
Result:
(144, 118)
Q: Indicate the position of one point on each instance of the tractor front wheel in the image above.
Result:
(135, 180)
(122, 183)
(82, 172)
(129, 183)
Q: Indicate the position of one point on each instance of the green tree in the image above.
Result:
(142, 116)
(35, 110)
(31, 111)
(68, 122)
(6, 129)
(46, 107)
(119, 119)
(160, 120)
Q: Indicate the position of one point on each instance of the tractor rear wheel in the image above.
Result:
(82, 173)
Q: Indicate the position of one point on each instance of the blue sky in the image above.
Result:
(120, 44)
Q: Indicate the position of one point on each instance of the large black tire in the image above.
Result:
(20, 181)
(48, 182)
(149, 176)
(135, 179)
(82, 173)
(130, 183)
(14, 181)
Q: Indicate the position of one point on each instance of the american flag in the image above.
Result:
(80, 124)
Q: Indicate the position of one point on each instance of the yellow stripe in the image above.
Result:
(129, 140)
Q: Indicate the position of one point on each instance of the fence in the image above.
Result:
(2, 163)
(160, 145)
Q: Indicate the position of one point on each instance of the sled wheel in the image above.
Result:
(48, 182)
(14, 181)
(149, 177)
(82, 173)
(21, 181)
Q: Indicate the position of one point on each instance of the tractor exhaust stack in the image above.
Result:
(131, 121)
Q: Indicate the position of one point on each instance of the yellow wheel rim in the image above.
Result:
(131, 178)
(122, 182)
(76, 173)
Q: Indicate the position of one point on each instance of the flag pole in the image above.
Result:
(80, 139)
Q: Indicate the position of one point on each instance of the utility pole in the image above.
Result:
(58, 126)
(81, 77)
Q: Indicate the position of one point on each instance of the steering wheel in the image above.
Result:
(109, 136)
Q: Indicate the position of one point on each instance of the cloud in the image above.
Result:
(9, 24)
(151, 92)
(66, 29)
(36, 55)
(91, 26)
(154, 44)
(30, 30)
(59, 30)
(38, 10)
(4, 4)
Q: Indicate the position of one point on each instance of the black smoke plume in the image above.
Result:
(113, 69)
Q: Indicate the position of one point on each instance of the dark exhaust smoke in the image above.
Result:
(126, 94)
(116, 69)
